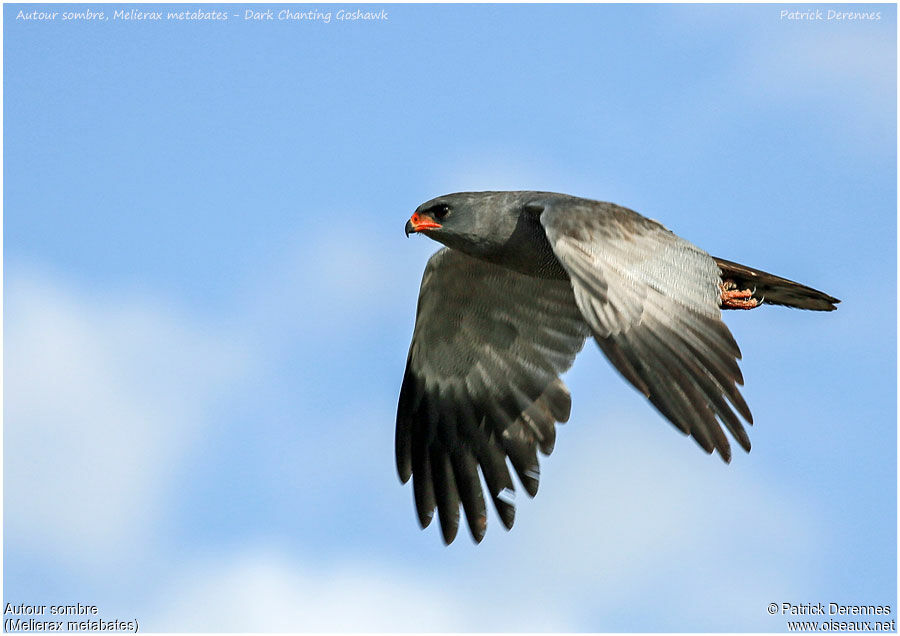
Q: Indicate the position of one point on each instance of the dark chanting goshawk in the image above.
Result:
(504, 308)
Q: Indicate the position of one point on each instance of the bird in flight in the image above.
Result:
(504, 308)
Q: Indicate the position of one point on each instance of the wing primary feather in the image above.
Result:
(716, 365)
(465, 473)
(423, 487)
(505, 504)
(491, 459)
(446, 493)
(524, 460)
(524, 420)
(715, 385)
(539, 417)
(559, 400)
(662, 393)
(514, 440)
(403, 435)
(697, 383)
(705, 334)
(693, 405)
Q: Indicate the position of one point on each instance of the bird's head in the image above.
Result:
(475, 222)
(429, 217)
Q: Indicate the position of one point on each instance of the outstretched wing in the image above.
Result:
(652, 301)
(481, 385)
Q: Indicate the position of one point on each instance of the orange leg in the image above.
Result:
(733, 298)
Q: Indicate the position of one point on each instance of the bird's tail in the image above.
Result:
(774, 290)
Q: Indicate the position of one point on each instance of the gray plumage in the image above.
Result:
(503, 310)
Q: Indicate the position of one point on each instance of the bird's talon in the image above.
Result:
(732, 298)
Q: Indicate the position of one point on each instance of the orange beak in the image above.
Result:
(419, 222)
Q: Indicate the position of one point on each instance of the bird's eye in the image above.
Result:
(439, 212)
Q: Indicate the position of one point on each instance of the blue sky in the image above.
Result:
(209, 298)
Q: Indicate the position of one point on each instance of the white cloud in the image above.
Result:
(265, 589)
(103, 396)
